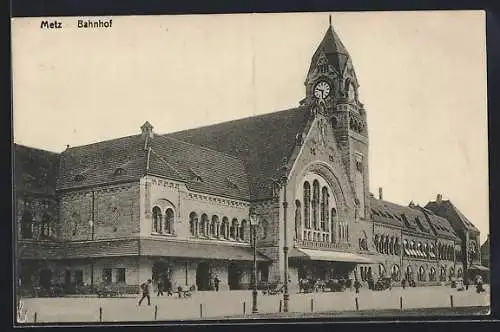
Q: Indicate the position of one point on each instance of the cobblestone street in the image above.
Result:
(225, 304)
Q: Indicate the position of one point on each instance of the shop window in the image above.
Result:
(381, 270)
(421, 274)
(432, 274)
(264, 272)
(27, 226)
(120, 275)
(395, 273)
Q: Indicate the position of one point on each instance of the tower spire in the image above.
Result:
(330, 19)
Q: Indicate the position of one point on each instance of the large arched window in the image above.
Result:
(395, 273)
(214, 226)
(157, 219)
(169, 221)
(315, 204)
(324, 208)
(307, 204)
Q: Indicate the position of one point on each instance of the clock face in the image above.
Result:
(322, 90)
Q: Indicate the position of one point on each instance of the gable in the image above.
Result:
(35, 170)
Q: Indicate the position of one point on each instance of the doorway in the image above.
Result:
(233, 276)
(67, 278)
(45, 278)
(203, 276)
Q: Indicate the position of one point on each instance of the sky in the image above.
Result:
(422, 80)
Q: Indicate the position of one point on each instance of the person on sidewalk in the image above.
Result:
(145, 288)
(357, 285)
(216, 283)
(160, 288)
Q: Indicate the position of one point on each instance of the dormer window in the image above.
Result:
(232, 184)
(79, 178)
(119, 171)
(195, 177)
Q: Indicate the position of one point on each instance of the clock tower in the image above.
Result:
(332, 87)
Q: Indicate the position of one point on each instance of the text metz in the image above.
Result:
(51, 25)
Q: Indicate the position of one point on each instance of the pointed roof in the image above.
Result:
(333, 49)
(448, 210)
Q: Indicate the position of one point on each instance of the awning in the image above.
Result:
(184, 249)
(327, 255)
(478, 267)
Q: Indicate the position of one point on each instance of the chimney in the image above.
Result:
(147, 130)
(439, 198)
(380, 193)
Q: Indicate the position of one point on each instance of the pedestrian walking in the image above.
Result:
(357, 285)
(160, 288)
(145, 288)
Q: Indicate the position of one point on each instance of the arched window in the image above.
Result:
(169, 221)
(243, 228)
(45, 225)
(375, 241)
(381, 244)
(425, 250)
(324, 208)
(381, 270)
(386, 247)
(157, 220)
(224, 229)
(432, 274)
(214, 226)
(315, 203)
(409, 273)
(442, 276)
(397, 247)
(406, 248)
(193, 223)
(419, 249)
(234, 229)
(203, 225)
(264, 228)
(412, 248)
(421, 274)
(307, 204)
(27, 226)
(333, 216)
(395, 273)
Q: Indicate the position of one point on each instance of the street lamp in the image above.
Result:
(254, 221)
(283, 181)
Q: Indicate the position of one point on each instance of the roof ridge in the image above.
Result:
(100, 142)
(33, 148)
(166, 136)
(236, 120)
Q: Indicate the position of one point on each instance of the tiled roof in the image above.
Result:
(448, 210)
(439, 225)
(203, 169)
(150, 247)
(261, 142)
(97, 163)
(35, 170)
(84, 249)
